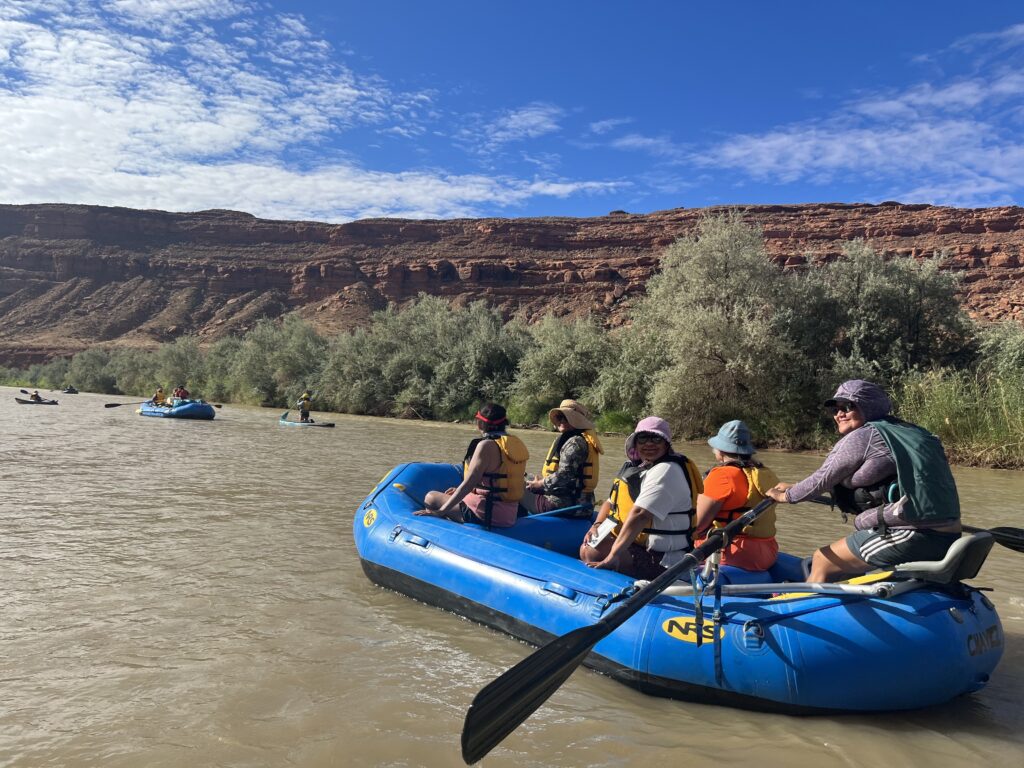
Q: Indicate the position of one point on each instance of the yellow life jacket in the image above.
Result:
(759, 480)
(626, 487)
(591, 467)
(508, 482)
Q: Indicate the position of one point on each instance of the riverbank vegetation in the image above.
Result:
(721, 333)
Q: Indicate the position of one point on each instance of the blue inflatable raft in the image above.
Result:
(902, 640)
(179, 409)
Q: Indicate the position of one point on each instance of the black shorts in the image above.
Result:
(899, 545)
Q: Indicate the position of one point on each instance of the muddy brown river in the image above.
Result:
(188, 593)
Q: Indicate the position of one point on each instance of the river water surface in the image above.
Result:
(188, 593)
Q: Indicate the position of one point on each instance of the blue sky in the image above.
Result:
(340, 110)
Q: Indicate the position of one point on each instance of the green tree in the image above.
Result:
(135, 371)
(562, 360)
(275, 360)
(712, 339)
(1001, 351)
(896, 315)
(218, 364)
(180, 362)
(89, 371)
(428, 360)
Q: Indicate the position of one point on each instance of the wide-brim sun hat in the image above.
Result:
(650, 425)
(575, 414)
(733, 437)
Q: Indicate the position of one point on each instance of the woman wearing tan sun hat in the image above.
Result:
(571, 469)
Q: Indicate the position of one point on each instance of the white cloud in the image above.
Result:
(490, 135)
(604, 126)
(166, 15)
(658, 146)
(526, 123)
(1010, 37)
(955, 140)
(191, 104)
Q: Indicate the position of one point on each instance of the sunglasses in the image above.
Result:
(649, 440)
(842, 408)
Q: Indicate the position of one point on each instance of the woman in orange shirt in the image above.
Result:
(736, 484)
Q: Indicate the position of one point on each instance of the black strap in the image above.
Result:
(488, 511)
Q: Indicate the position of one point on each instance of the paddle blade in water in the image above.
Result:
(1011, 538)
(507, 701)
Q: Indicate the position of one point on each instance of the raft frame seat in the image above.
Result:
(963, 561)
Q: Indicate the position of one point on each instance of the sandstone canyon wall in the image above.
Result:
(72, 276)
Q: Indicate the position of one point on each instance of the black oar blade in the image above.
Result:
(112, 405)
(1011, 538)
(508, 700)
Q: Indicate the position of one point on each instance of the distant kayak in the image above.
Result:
(291, 423)
(179, 409)
(36, 402)
(70, 391)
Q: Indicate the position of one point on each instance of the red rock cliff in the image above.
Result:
(72, 276)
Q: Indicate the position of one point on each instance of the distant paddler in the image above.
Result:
(304, 404)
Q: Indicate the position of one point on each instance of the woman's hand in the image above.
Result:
(535, 486)
(778, 493)
(608, 564)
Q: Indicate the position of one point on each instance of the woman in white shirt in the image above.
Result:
(644, 526)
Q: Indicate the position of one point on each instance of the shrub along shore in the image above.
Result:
(722, 333)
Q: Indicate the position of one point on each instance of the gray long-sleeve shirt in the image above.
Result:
(860, 459)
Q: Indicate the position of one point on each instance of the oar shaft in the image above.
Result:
(716, 540)
(1011, 538)
(553, 512)
(508, 700)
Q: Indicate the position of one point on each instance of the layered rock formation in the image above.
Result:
(72, 276)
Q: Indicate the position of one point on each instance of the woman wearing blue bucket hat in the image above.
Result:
(733, 486)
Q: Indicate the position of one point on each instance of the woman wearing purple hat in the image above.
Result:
(644, 526)
(892, 475)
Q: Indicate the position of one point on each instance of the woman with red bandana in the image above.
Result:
(494, 477)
